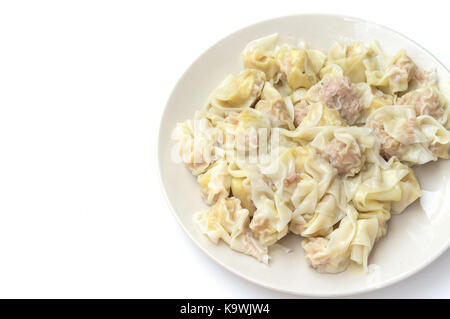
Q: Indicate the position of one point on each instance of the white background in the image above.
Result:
(82, 88)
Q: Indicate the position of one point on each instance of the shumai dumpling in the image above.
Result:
(228, 221)
(195, 141)
(413, 140)
(427, 101)
(300, 67)
(215, 183)
(239, 92)
(339, 93)
(321, 115)
(279, 109)
(270, 220)
(351, 59)
(259, 54)
(389, 74)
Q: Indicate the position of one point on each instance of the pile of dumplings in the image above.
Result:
(343, 130)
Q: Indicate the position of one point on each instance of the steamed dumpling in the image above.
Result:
(326, 215)
(196, 143)
(272, 103)
(259, 54)
(241, 188)
(351, 59)
(342, 150)
(427, 101)
(380, 188)
(215, 183)
(313, 179)
(331, 254)
(228, 221)
(270, 220)
(321, 115)
(389, 74)
(300, 67)
(239, 92)
(414, 140)
(339, 93)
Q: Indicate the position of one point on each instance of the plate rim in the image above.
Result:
(344, 293)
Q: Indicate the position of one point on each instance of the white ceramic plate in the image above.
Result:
(415, 238)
